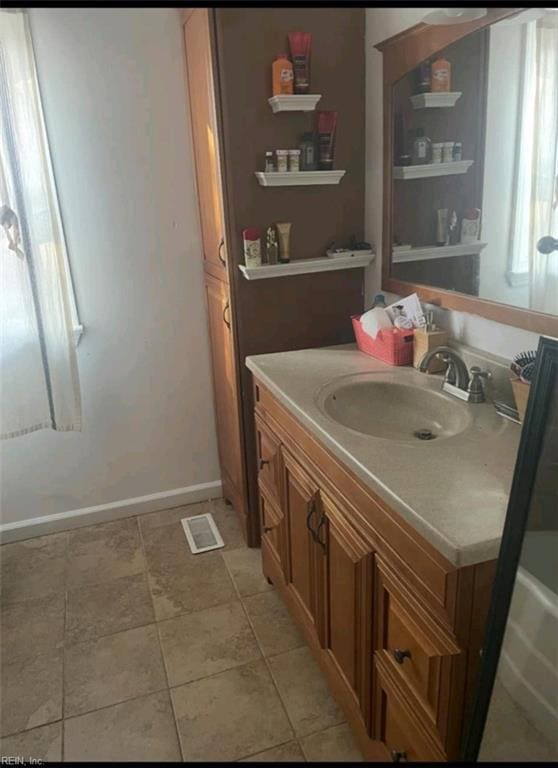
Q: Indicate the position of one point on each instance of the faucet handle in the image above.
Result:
(475, 388)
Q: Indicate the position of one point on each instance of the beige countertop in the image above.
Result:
(453, 491)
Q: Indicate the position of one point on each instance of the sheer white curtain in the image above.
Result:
(544, 197)
(39, 385)
(536, 205)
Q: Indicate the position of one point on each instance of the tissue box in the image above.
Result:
(391, 345)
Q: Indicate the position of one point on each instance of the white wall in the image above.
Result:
(498, 339)
(115, 101)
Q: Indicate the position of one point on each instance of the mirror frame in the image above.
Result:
(401, 54)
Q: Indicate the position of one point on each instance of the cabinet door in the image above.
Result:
(201, 90)
(225, 392)
(304, 559)
(348, 603)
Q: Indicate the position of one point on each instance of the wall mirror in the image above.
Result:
(471, 166)
(515, 716)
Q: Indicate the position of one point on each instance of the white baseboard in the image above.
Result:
(115, 510)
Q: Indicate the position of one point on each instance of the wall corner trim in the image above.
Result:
(114, 510)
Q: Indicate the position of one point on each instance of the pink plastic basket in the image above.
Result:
(391, 345)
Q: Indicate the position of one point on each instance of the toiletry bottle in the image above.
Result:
(308, 152)
(299, 44)
(470, 226)
(284, 235)
(379, 301)
(453, 229)
(422, 148)
(442, 226)
(282, 75)
(272, 248)
(252, 248)
(423, 77)
(441, 75)
(327, 122)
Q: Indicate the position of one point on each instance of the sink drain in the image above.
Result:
(425, 434)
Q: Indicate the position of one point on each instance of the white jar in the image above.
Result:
(447, 152)
(437, 151)
(282, 155)
(294, 159)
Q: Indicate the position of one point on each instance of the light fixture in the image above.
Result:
(445, 16)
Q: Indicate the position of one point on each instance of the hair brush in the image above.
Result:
(523, 365)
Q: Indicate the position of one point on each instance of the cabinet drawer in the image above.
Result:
(405, 736)
(269, 460)
(411, 644)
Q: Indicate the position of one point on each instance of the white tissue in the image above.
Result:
(374, 320)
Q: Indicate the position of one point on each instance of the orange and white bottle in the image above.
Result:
(282, 75)
(441, 75)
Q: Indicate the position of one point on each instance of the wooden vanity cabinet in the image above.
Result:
(395, 627)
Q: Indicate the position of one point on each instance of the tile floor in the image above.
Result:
(119, 644)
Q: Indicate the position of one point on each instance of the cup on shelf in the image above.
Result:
(437, 151)
(447, 152)
(282, 155)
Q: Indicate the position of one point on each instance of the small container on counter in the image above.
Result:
(252, 247)
(282, 162)
(269, 162)
(294, 159)
(458, 151)
(308, 153)
(437, 151)
(447, 152)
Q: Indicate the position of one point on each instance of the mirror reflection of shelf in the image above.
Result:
(294, 102)
(436, 99)
(425, 253)
(298, 178)
(431, 169)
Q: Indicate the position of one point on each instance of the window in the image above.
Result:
(38, 316)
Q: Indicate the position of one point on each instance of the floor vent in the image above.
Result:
(202, 533)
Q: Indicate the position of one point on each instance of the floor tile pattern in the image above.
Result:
(118, 644)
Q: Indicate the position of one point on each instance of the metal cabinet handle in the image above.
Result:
(225, 310)
(311, 510)
(400, 655)
(318, 529)
(219, 250)
(263, 462)
(268, 528)
(398, 757)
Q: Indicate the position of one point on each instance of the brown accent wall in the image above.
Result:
(304, 310)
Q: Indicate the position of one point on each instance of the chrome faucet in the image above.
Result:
(456, 378)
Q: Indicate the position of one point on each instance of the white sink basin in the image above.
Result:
(376, 405)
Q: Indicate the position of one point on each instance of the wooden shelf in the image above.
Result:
(305, 266)
(431, 169)
(436, 252)
(437, 99)
(294, 102)
(298, 178)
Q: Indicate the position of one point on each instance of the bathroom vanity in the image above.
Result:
(382, 545)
